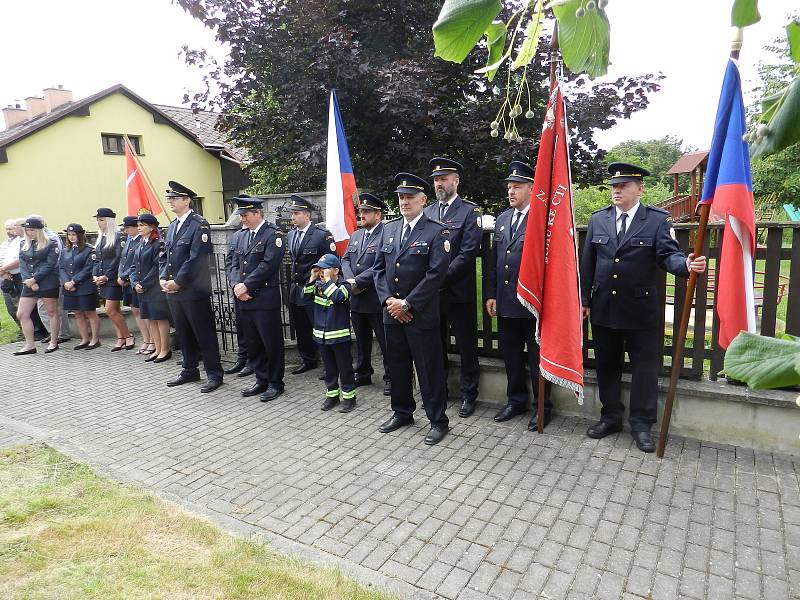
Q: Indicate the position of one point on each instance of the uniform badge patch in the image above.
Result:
(204, 237)
(94, 256)
(57, 251)
(447, 245)
(391, 240)
(672, 233)
(502, 227)
(278, 242)
(479, 220)
(333, 246)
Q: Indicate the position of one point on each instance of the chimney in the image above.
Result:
(55, 97)
(36, 106)
(14, 115)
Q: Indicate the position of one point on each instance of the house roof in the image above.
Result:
(688, 162)
(204, 135)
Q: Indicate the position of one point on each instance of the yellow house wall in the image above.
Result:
(61, 172)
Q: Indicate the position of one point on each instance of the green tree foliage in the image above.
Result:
(400, 105)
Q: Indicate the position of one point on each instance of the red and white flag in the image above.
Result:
(141, 196)
(549, 285)
(341, 194)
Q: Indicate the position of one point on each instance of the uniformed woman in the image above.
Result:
(38, 266)
(144, 279)
(129, 297)
(106, 267)
(80, 293)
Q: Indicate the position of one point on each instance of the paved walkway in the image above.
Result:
(492, 512)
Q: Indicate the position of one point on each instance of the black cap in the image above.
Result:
(519, 171)
(622, 172)
(371, 202)
(75, 228)
(129, 221)
(148, 219)
(176, 190)
(444, 166)
(300, 203)
(247, 202)
(103, 213)
(33, 223)
(408, 183)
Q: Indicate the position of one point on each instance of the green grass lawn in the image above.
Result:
(8, 329)
(67, 533)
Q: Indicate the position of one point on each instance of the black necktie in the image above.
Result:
(406, 231)
(442, 210)
(251, 238)
(366, 240)
(296, 244)
(515, 224)
(621, 232)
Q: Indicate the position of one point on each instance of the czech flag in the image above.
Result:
(728, 188)
(341, 194)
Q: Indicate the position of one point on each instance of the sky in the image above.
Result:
(89, 45)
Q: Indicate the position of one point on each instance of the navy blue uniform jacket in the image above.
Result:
(462, 219)
(76, 266)
(127, 258)
(186, 258)
(145, 271)
(106, 261)
(415, 273)
(331, 310)
(316, 242)
(618, 281)
(258, 266)
(42, 264)
(502, 272)
(357, 263)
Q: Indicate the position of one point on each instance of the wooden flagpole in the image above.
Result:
(680, 339)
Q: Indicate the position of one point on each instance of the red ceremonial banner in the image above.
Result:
(140, 194)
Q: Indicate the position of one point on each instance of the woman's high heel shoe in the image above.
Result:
(164, 358)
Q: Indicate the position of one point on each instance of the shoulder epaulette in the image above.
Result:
(392, 220)
(199, 218)
(656, 208)
(470, 202)
(599, 210)
(325, 229)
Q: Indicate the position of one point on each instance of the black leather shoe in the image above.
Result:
(93, 346)
(394, 424)
(80, 346)
(348, 405)
(330, 403)
(210, 386)
(303, 367)
(467, 408)
(246, 372)
(161, 359)
(237, 366)
(644, 441)
(270, 394)
(534, 422)
(53, 349)
(436, 435)
(24, 352)
(256, 390)
(45, 339)
(361, 381)
(184, 379)
(387, 388)
(601, 429)
(62, 339)
(508, 413)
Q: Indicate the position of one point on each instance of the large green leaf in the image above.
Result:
(532, 32)
(461, 24)
(584, 37)
(763, 362)
(793, 35)
(495, 41)
(744, 13)
(783, 112)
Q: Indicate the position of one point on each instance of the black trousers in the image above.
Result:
(364, 324)
(241, 338)
(463, 318)
(194, 323)
(303, 319)
(643, 347)
(513, 336)
(263, 332)
(407, 347)
(339, 376)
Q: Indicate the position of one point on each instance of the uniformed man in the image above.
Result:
(409, 273)
(307, 243)
(185, 279)
(516, 325)
(625, 242)
(255, 277)
(241, 366)
(463, 220)
(365, 308)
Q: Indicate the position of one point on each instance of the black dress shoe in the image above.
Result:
(394, 424)
(436, 435)
(271, 393)
(24, 352)
(601, 429)
(508, 413)
(210, 386)
(62, 339)
(330, 403)
(49, 350)
(246, 372)
(45, 339)
(467, 408)
(387, 388)
(256, 390)
(348, 405)
(363, 381)
(184, 379)
(303, 367)
(644, 441)
(534, 423)
(160, 359)
(81, 346)
(237, 366)
(93, 346)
